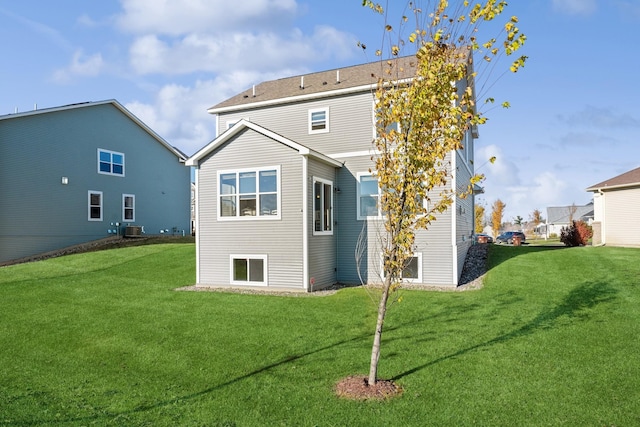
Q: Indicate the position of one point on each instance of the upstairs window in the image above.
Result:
(110, 162)
(249, 194)
(319, 120)
(322, 207)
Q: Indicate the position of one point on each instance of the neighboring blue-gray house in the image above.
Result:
(285, 197)
(83, 172)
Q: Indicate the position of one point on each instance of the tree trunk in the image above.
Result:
(377, 338)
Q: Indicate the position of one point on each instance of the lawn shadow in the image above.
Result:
(192, 396)
(575, 305)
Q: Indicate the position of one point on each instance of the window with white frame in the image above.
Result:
(412, 271)
(248, 270)
(94, 206)
(322, 206)
(319, 120)
(249, 194)
(368, 196)
(110, 162)
(128, 208)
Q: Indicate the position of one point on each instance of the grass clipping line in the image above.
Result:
(358, 388)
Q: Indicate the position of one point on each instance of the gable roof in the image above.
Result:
(245, 124)
(180, 155)
(627, 179)
(560, 214)
(356, 78)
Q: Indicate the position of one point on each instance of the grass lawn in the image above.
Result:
(102, 338)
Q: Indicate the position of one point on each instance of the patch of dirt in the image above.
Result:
(358, 388)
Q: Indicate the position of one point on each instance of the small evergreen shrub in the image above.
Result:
(577, 234)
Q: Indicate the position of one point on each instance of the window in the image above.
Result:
(128, 207)
(95, 206)
(248, 270)
(368, 196)
(322, 206)
(412, 271)
(249, 194)
(110, 162)
(319, 120)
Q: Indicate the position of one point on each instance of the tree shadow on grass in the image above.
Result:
(575, 305)
(180, 399)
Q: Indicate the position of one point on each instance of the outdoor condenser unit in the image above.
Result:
(133, 231)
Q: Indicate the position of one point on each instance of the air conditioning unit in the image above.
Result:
(133, 231)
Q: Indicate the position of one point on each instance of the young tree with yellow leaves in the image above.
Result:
(497, 210)
(479, 218)
(420, 120)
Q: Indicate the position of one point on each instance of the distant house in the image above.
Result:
(562, 216)
(617, 209)
(82, 172)
(285, 196)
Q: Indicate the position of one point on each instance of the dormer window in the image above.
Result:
(319, 120)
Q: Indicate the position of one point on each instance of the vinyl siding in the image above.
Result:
(622, 208)
(39, 214)
(350, 122)
(322, 248)
(280, 240)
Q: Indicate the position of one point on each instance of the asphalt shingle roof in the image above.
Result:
(362, 77)
(626, 179)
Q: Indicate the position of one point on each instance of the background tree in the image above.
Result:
(518, 221)
(497, 210)
(536, 217)
(420, 120)
(479, 218)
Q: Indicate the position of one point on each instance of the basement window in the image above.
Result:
(248, 270)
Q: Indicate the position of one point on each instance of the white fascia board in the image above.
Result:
(243, 124)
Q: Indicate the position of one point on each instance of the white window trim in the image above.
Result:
(414, 255)
(326, 120)
(313, 206)
(112, 153)
(89, 193)
(278, 216)
(265, 271)
(425, 202)
(124, 196)
(360, 217)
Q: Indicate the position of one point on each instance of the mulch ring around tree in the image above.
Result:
(358, 388)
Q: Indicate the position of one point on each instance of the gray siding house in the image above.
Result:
(285, 198)
(616, 204)
(83, 172)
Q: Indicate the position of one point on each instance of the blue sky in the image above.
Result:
(573, 121)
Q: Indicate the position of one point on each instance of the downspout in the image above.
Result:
(197, 223)
(305, 223)
(454, 221)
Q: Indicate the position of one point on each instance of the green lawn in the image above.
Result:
(102, 338)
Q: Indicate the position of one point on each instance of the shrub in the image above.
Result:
(578, 234)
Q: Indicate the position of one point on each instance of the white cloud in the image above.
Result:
(81, 65)
(233, 51)
(178, 113)
(503, 170)
(177, 18)
(600, 117)
(575, 7)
